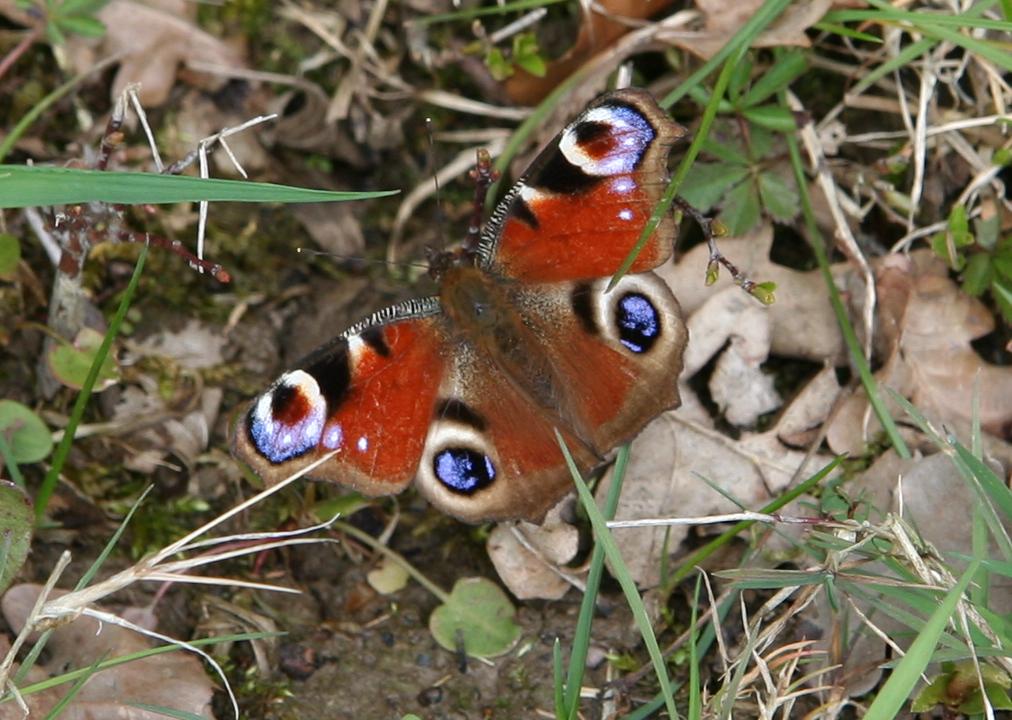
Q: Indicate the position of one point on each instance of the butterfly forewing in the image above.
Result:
(369, 395)
(582, 205)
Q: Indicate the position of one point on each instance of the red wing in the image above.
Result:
(584, 202)
(369, 395)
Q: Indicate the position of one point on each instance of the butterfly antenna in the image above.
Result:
(358, 258)
(439, 216)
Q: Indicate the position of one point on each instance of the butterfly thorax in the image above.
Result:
(481, 313)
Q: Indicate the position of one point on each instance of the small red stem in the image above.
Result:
(20, 49)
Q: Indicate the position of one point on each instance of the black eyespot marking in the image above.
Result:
(373, 337)
(561, 177)
(462, 470)
(460, 412)
(522, 212)
(588, 132)
(638, 322)
(583, 307)
(282, 400)
(332, 372)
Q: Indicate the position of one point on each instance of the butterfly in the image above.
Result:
(462, 392)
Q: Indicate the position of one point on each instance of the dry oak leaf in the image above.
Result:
(152, 39)
(936, 500)
(603, 24)
(802, 323)
(172, 680)
(671, 463)
(528, 557)
(723, 19)
(925, 326)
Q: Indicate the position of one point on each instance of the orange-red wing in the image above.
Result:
(368, 395)
(580, 209)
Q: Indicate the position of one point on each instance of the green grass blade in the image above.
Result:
(25, 186)
(63, 449)
(74, 675)
(695, 691)
(581, 635)
(560, 683)
(78, 685)
(604, 537)
(900, 685)
(167, 711)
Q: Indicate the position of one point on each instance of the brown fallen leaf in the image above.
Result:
(528, 557)
(937, 501)
(603, 25)
(181, 682)
(926, 324)
(802, 323)
(671, 464)
(723, 19)
(154, 39)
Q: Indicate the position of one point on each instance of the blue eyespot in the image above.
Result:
(463, 470)
(638, 322)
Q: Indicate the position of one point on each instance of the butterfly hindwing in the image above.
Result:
(582, 205)
(616, 355)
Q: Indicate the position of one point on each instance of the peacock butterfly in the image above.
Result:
(462, 391)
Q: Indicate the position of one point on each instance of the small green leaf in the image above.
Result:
(16, 521)
(947, 251)
(70, 363)
(497, 64)
(708, 182)
(741, 210)
(1001, 291)
(54, 35)
(712, 272)
(739, 81)
(527, 55)
(931, 695)
(83, 26)
(82, 7)
(1003, 258)
(26, 435)
(10, 256)
(977, 275)
(789, 67)
(779, 198)
(772, 117)
(765, 292)
(477, 617)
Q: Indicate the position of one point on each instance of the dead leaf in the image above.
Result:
(672, 464)
(737, 327)
(529, 557)
(802, 323)
(937, 502)
(153, 39)
(724, 19)
(196, 347)
(926, 324)
(603, 25)
(181, 683)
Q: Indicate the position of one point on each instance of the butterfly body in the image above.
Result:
(462, 392)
